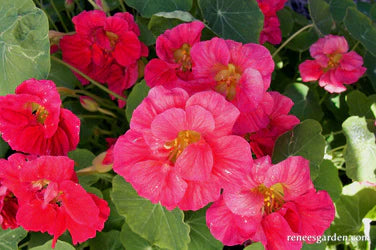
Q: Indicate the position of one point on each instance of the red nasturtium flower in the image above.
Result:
(333, 65)
(32, 120)
(174, 66)
(271, 32)
(274, 202)
(8, 208)
(241, 73)
(50, 199)
(263, 126)
(105, 48)
(179, 150)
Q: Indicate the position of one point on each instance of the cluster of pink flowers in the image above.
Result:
(40, 191)
(192, 139)
(105, 48)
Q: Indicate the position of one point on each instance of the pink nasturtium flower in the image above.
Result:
(179, 150)
(333, 65)
(174, 66)
(241, 73)
(32, 120)
(274, 202)
(105, 48)
(50, 199)
(271, 31)
(263, 126)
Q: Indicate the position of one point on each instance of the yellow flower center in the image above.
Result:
(40, 184)
(112, 37)
(177, 146)
(182, 56)
(273, 197)
(227, 79)
(334, 60)
(39, 112)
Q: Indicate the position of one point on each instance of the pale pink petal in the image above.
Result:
(223, 224)
(294, 175)
(207, 56)
(196, 162)
(232, 160)
(199, 194)
(224, 113)
(199, 119)
(249, 91)
(158, 182)
(153, 105)
(168, 124)
(316, 211)
(244, 202)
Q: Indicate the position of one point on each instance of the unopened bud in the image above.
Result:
(89, 103)
(100, 165)
(69, 4)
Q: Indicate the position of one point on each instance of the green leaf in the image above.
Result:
(24, 44)
(361, 28)
(238, 20)
(370, 64)
(106, 241)
(159, 25)
(329, 180)
(351, 208)
(133, 241)
(83, 158)
(139, 92)
(62, 76)
(360, 154)
(177, 14)
(304, 140)
(359, 104)
(60, 245)
(303, 41)
(255, 246)
(306, 102)
(200, 235)
(160, 227)
(4, 147)
(115, 220)
(147, 7)
(146, 36)
(9, 239)
(338, 8)
(285, 17)
(320, 13)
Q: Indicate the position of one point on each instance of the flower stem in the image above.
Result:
(355, 45)
(58, 15)
(290, 38)
(48, 16)
(122, 6)
(336, 149)
(323, 98)
(88, 78)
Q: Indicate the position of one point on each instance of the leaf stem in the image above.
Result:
(355, 45)
(58, 15)
(334, 133)
(88, 78)
(323, 98)
(290, 38)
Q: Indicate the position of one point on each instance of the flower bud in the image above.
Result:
(89, 103)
